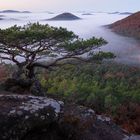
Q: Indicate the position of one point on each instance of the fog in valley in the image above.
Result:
(126, 49)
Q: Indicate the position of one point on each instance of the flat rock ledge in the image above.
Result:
(24, 117)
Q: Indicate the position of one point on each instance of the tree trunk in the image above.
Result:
(30, 72)
(24, 78)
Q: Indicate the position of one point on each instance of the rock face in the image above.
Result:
(40, 118)
(65, 16)
(129, 26)
(21, 114)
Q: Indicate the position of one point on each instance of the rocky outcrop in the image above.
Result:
(129, 26)
(65, 16)
(21, 114)
(40, 118)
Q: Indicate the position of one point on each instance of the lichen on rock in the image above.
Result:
(25, 117)
(20, 113)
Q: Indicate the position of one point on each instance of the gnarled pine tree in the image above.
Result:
(26, 46)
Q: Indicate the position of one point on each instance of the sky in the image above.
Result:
(72, 5)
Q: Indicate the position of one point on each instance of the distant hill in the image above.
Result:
(130, 26)
(25, 12)
(126, 13)
(14, 11)
(1, 17)
(65, 16)
(9, 11)
(49, 12)
(114, 13)
(87, 14)
(9, 19)
(121, 13)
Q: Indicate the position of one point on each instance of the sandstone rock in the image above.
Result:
(21, 114)
(25, 117)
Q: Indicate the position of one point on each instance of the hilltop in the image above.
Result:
(65, 16)
(129, 26)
